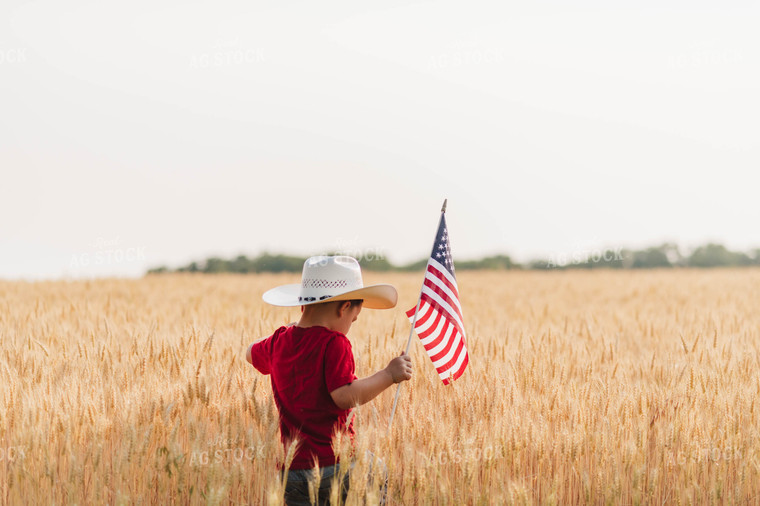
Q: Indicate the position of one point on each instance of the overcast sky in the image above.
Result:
(143, 133)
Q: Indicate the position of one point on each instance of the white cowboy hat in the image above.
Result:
(327, 279)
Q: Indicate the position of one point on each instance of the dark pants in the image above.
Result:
(297, 487)
(299, 480)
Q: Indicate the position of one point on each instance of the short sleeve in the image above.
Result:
(261, 355)
(339, 363)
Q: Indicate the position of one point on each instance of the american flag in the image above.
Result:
(439, 322)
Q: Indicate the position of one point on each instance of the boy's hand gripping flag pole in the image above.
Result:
(437, 317)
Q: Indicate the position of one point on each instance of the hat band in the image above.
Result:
(312, 299)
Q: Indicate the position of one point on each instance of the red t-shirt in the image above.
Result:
(306, 364)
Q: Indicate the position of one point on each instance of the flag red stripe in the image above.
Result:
(443, 279)
(410, 313)
(445, 350)
(445, 296)
(459, 372)
(435, 342)
(438, 274)
(422, 319)
(443, 310)
(431, 329)
(453, 361)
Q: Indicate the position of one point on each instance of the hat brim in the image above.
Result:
(379, 296)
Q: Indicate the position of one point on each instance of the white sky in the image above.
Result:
(136, 134)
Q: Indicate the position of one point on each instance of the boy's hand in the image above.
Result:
(364, 390)
(400, 368)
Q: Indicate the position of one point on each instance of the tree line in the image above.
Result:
(664, 256)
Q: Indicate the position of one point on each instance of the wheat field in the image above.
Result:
(584, 387)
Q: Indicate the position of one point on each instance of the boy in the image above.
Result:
(312, 366)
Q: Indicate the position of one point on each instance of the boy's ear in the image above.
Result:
(343, 306)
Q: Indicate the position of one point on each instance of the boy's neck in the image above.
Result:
(306, 322)
(315, 316)
(336, 316)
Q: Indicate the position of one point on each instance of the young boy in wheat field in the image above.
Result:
(311, 365)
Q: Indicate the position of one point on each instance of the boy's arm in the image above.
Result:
(364, 390)
(258, 355)
(249, 350)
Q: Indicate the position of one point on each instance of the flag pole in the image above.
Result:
(411, 331)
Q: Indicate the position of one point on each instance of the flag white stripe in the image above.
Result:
(441, 345)
(461, 358)
(443, 270)
(454, 370)
(450, 354)
(423, 326)
(457, 361)
(445, 306)
(439, 283)
(434, 335)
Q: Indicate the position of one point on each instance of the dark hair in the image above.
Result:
(356, 302)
